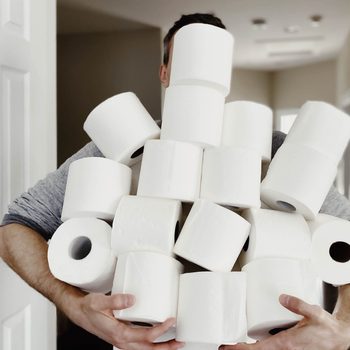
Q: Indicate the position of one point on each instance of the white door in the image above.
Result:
(27, 151)
(28, 320)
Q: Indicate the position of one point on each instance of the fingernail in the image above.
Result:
(181, 345)
(129, 300)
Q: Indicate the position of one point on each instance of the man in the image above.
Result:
(34, 216)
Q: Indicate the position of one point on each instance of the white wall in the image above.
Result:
(251, 85)
(93, 67)
(343, 101)
(292, 87)
(288, 88)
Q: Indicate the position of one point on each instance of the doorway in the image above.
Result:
(98, 56)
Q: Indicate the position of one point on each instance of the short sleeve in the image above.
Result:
(40, 207)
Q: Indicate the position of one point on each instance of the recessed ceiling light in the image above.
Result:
(292, 29)
(259, 23)
(316, 20)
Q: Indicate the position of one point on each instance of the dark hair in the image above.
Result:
(207, 18)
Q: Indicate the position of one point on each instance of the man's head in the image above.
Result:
(206, 18)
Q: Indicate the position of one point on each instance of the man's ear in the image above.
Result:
(163, 75)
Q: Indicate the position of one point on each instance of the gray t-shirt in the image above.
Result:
(40, 208)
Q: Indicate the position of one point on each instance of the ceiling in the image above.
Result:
(269, 48)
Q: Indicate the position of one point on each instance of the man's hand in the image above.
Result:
(95, 314)
(25, 251)
(318, 330)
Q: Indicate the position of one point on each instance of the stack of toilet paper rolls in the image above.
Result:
(143, 237)
(188, 163)
(311, 152)
(281, 244)
(209, 156)
(297, 181)
(276, 260)
(80, 250)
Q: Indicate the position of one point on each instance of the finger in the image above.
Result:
(147, 334)
(275, 342)
(160, 329)
(113, 302)
(169, 345)
(299, 306)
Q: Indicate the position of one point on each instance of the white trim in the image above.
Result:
(51, 83)
(345, 100)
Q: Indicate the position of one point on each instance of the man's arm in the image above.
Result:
(25, 251)
(32, 219)
(40, 207)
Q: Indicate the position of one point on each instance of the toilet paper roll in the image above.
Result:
(212, 236)
(148, 224)
(193, 113)
(275, 234)
(80, 254)
(171, 169)
(267, 279)
(222, 183)
(153, 279)
(94, 188)
(323, 127)
(331, 249)
(293, 181)
(202, 55)
(248, 125)
(212, 308)
(120, 126)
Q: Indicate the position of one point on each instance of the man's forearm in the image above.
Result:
(25, 251)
